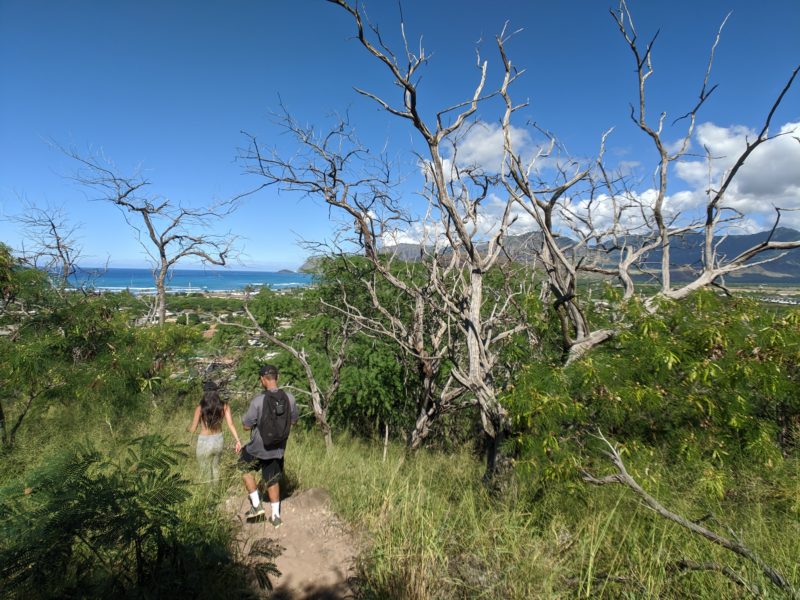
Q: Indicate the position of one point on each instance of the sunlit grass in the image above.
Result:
(429, 528)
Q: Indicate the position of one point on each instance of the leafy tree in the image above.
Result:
(77, 352)
(373, 391)
(712, 380)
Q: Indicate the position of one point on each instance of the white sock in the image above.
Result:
(276, 509)
(254, 499)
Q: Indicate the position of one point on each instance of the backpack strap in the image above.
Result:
(263, 407)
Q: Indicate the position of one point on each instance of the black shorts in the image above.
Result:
(271, 468)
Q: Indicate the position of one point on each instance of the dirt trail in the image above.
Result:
(317, 550)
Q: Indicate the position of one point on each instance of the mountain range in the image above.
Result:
(685, 255)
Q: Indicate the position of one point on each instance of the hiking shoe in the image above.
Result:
(276, 522)
(254, 513)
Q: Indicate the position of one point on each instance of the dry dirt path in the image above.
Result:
(317, 550)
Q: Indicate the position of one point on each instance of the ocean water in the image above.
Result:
(140, 281)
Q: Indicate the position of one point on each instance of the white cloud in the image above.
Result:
(482, 146)
(489, 218)
(413, 235)
(491, 215)
(769, 178)
(628, 167)
(603, 213)
(425, 233)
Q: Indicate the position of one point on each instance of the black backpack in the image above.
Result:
(276, 419)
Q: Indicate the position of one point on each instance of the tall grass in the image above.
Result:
(432, 531)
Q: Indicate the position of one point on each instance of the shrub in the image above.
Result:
(90, 525)
(712, 379)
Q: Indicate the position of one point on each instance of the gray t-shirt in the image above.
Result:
(255, 447)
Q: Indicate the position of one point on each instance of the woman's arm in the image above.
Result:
(195, 420)
(229, 421)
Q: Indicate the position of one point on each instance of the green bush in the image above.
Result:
(714, 380)
(87, 524)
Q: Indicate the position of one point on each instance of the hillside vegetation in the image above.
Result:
(700, 400)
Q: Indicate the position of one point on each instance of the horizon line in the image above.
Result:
(190, 268)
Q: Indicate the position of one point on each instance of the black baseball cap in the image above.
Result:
(268, 371)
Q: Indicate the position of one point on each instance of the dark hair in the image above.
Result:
(211, 408)
(269, 371)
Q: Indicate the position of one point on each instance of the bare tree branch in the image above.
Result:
(53, 244)
(624, 478)
(171, 232)
(320, 396)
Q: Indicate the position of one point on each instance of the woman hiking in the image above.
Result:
(209, 414)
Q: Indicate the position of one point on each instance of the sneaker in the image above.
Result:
(276, 522)
(254, 513)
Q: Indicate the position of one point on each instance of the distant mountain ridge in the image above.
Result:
(686, 254)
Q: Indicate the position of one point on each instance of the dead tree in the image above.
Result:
(168, 232)
(592, 221)
(50, 241)
(716, 213)
(462, 255)
(541, 199)
(735, 546)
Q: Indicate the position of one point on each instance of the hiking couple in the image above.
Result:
(269, 419)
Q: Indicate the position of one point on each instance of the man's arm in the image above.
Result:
(250, 418)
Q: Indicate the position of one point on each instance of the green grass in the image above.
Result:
(432, 531)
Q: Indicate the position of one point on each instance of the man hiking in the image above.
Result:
(269, 417)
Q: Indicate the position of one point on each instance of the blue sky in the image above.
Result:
(169, 86)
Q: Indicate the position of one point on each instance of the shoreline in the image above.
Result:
(204, 293)
(141, 282)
